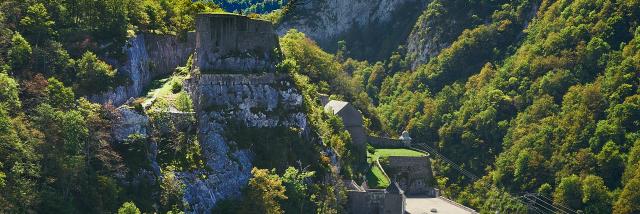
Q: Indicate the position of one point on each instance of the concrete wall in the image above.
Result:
(227, 43)
(374, 201)
(258, 91)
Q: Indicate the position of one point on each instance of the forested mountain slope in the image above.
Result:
(250, 6)
(537, 96)
(370, 29)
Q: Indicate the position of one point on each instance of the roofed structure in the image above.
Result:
(353, 123)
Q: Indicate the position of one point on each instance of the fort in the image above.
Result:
(229, 43)
(363, 200)
(413, 174)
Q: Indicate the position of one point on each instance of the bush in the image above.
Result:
(183, 102)
(176, 87)
(95, 75)
(128, 208)
(371, 149)
(20, 52)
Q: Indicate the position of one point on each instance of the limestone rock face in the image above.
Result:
(257, 100)
(371, 28)
(149, 56)
(129, 122)
(426, 41)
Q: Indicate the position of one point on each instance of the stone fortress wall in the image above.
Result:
(233, 81)
(413, 174)
(228, 43)
(363, 200)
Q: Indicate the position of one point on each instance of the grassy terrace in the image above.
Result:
(168, 92)
(394, 152)
(375, 177)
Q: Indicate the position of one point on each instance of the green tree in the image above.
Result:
(172, 191)
(128, 208)
(94, 75)
(37, 24)
(595, 195)
(19, 164)
(569, 192)
(629, 200)
(9, 93)
(184, 103)
(60, 96)
(297, 191)
(20, 52)
(264, 193)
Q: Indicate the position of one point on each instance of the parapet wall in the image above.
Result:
(228, 43)
(381, 142)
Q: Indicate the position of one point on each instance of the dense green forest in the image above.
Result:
(56, 151)
(250, 6)
(536, 96)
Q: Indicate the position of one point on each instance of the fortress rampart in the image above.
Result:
(229, 43)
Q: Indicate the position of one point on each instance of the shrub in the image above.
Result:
(95, 75)
(176, 87)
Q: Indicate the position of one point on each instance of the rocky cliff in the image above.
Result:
(232, 85)
(257, 101)
(372, 29)
(149, 56)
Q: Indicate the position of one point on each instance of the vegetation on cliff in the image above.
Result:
(250, 6)
(543, 104)
(56, 149)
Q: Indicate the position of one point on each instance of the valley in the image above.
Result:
(319, 106)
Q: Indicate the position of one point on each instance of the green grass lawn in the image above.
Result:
(393, 152)
(376, 179)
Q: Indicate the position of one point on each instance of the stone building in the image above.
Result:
(413, 174)
(230, 43)
(353, 123)
(363, 200)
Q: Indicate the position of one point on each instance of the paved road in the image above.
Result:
(424, 206)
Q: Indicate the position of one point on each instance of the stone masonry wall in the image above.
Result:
(381, 142)
(414, 174)
(227, 43)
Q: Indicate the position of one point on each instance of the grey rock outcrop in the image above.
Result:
(262, 101)
(129, 122)
(149, 56)
(371, 28)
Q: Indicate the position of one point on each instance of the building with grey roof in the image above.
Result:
(353, 123)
